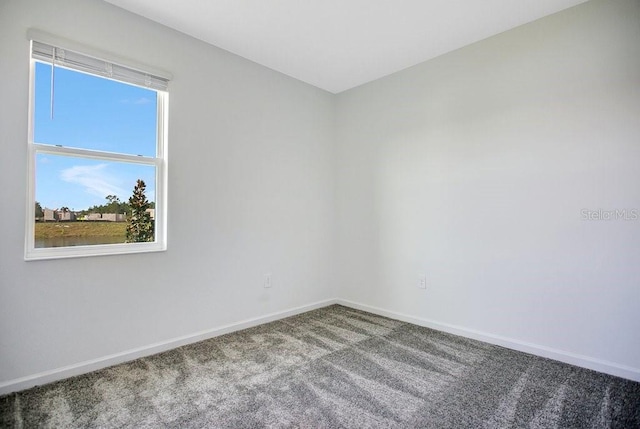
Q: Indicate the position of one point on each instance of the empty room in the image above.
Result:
(320, 214)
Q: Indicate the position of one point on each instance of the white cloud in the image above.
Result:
(95, 179)
(141, 100)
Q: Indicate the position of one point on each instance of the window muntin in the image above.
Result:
(100, 135)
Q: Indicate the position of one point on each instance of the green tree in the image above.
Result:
(140, 227)
(39, 211)
(113, 204)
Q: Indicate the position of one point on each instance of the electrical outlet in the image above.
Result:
(422, 281)
(268, 281)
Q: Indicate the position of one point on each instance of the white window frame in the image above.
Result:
(159, 161)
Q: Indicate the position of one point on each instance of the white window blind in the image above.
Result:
(59, 56)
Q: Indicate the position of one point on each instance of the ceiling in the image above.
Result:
(339, 44)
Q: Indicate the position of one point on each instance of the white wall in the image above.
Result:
(250, 192)
(473, 168)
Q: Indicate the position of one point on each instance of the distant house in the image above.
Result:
(49, 215)
(65, 215)
(106, 217)
(152, 212)
(113, 217)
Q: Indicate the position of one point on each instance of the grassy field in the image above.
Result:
(80, 229)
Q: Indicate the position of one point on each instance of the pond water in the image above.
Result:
(76, 241)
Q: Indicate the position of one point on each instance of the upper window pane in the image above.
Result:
(91, 112)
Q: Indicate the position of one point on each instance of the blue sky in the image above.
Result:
(91, 113)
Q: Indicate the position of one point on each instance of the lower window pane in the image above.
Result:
(83, 202)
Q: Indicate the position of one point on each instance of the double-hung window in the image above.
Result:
(97, 154)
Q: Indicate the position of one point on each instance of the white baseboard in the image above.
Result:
(117, 358)
(599, 365)
(151, 349)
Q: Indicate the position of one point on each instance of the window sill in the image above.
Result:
(38, 254)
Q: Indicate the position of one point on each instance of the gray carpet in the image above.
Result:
(333, 368)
